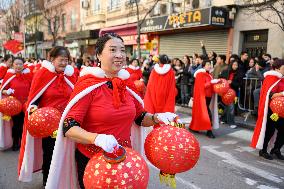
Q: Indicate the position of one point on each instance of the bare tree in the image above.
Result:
(141, 18)
(270, 10)
(52, 17)
(13, 15)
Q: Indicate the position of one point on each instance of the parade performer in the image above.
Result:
(5, 66)
(51, 87)
(134, 70)
(16, 83)
(273, 86)
(99, 116)
(204, 110)
(161, 89)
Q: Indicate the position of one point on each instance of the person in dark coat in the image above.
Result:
(184, 81)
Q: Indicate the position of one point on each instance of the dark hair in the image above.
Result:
(244, 52)
(235, 56)
(203, 57)
(136, 60)
(18, 58)
(223, 57)
(269, 55)
(214, 54)
(230, 67)
(59, 51)
(204, 62)
(277, 64)
(164, 59)
(7, 57)
(187, 58)
(100, 45)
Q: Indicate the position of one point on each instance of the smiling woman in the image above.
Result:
(99, 116)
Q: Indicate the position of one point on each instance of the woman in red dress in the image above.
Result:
(204, 110)
(99, 115)
(134, 70)
(51, 87)
(17, 83)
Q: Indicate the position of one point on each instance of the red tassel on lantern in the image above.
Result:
(43, 122)
(229, 97)
(172, 150)
(10, 106)
(140, 86)
(222, 87)
(127, 170)
(277, 107)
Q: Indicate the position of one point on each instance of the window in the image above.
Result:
(57, 23)
(73, 20)
(49, 26)
(97, 5)
(113, 4)
(63, 21)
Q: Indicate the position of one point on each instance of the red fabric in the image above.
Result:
(3, 71)
(13, 45)
(161, 92)
(279, 87)
(200, 117)
(134, 74)
(208, 85)
(41, 78)
(231, 76)
(96, 113)
(267, 83)
(76, 71)
(21, 84)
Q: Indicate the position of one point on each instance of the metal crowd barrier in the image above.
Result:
(245, 97)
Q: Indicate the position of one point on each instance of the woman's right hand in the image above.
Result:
(277, 95)
(106, 142)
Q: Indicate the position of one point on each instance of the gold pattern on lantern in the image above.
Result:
(119, 167)
(108, 180)
(97, 173)
(113, 172)
(108, 166)
(122, 182)
(173, 148)
(159, 138)
(128, 165)
(180, 146)
(97, 165)
(165, 148)
(138, 158)
(134, 159)
(125, 175)
(137, 165)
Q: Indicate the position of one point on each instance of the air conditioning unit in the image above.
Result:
(156, 11)
(85, 4)
(163, 9)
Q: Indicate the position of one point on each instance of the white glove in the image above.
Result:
(106, 142)
(282, 93)
(166, 117)
(214, 81)
(10, 91)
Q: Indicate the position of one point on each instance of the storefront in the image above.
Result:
(128, 32)
(80, 43)
(180, 34)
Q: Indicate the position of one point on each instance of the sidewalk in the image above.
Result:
(248, 124)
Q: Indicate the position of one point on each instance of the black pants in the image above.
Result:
(208, 101)
(82, 162)
(17, 129)
(47, 148)
(270, 129)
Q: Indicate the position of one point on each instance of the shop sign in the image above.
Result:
(209, 16)
(132, 39)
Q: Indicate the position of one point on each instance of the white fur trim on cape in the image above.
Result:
(202, 70)
(48, 65)
(100, 73)
(69, 70)
(259, 144)
(5, 132)
(162, 70)
(26, 70)
(133, 67)
(273, 73)
(63, 172)
(3, 64)
(11, 70)
(214, 109)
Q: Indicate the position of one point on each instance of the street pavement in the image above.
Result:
(226, 162)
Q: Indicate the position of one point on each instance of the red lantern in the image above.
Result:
(43, 122)
(222, 87)
(277, 107)
(125, 171)
(140, 86)
(172, 150)
(10, 106)
(229, 97)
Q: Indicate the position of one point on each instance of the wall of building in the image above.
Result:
(245, 22)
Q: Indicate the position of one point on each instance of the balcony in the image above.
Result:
(95, 17)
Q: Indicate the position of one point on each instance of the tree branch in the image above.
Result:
(149, 11)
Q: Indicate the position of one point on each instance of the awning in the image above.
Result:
(122, 30)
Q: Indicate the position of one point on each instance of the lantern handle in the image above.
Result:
(117, 156)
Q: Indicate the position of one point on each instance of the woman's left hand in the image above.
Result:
(167, 117)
